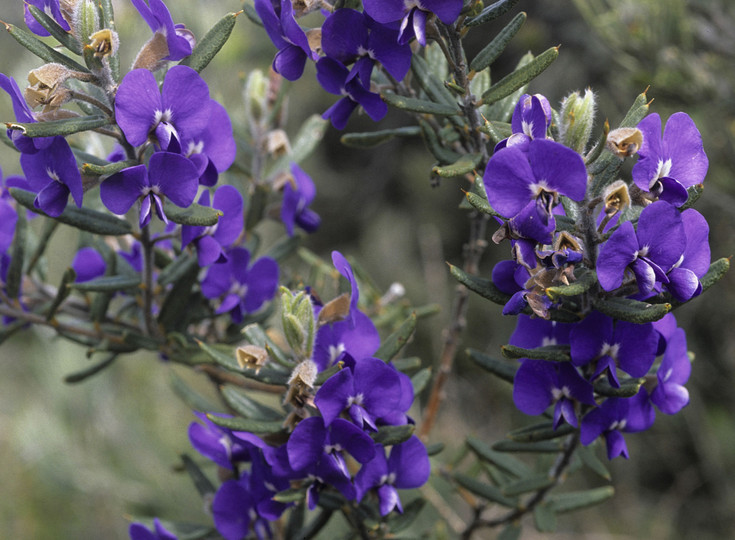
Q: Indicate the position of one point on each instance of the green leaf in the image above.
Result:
(420, 380)
(507, 463)
(590, 460)
(225, 359)
(64, 127)
(62, 36)
(247, 407)
(491, 12)
(511, 532)
(43, 51)
(486, 491)
(327, 373)
(544, 518)
(499, 368)
(484, 287)
(635, 311)
(374, 138)
(435, 89)
(285, 247)
(435, 449)
(290, 495)
(480, 203)
(315, 526)
(211, 43)
(393, 344)
(86, 373)
(540, 447)
(492, 50)
(398, 522)
(80, 218)
(520, 77)
(550, 353)
(177, 306)
(196, 214)
(464, 165)
(108, 284)
(420, 106)
(108, 168)
(14, 275)
(62, 292)
(307, 139)
(694, 193)
(177, 268)
(407, 364)
(390, 435)
(203, 485)
(583, 283)
(715, 273)
(245, 424)
(576, 500)
(540, 432)
(536, 482)
(191, 398)
(628, 388)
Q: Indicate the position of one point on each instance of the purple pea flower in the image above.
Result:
(213, 150)
(613, 416)
(139, 531)
(670, 164)
(688, 270)
(216, 443)
(412, 14)
(244, 290)
(337, 79)
(157, 16)
(297, 197)
(53, 174)
(407, 467)
(525, 185)
(649, 252)
(50, 8)
(8, 219)
(179, 111)
(531, 118)
(23, 113)
(88, 264)
(168, 174)
(532, 332)
(288, 37)
(670, 395)
(210, 241)
(539, 383)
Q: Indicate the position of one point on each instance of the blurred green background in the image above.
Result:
(78, 460)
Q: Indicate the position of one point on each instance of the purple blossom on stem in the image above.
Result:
(412, 14)
(23, 113)
(670, 395)
(688, 270)
(88, 264)
(613, 416)
(217, 443)
(531, 118)
(8, 219)
(297, 196)
(138, 531)
(50, 8)
(180, 41)
(212, 150)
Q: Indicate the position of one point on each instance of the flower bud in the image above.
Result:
(301, 383)
(624, 142)
(577, 117)
(255, 96)
(297, 316)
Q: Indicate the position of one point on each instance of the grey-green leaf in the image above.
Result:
(540, 432)
(211, 43)
(248, 407)
(500, 368)
(575, 500)
(520, 77)
(53, 28)
(196, 214)
(550, 353)
(374, 138)
(508, 463)
(491, 12)
(420, 106)
(43, 51)
(486, 491)
(64, 127)
(492, 50)
(484, 287)
(107, 284)
(390, 435)
(244, 424)
(464, 165)
(393, 344)
(635, 311)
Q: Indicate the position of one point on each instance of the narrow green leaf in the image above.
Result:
(486, 491)
(551, 353)
(244, 424)
(290, 495)
(61, 293)
(251, 14)
(420, 380)
(507, 463)
(491, 12)
(284, 247)
(196, 214)
(435, 146)
(435, 449)
(716, 271)
(40, 49)
(203, 485)
(393, 344)
(398, 522)
(492, 50)
(435, 89)
(583, 283)
(211, 43)
(589, 458)
(64, 37)
(540, 432)
(64, 127)
(80, 218)
(86, 373)
(499, 368)
(484, 287)
(540, 447)
(225, 359)
(576, 500)
(544, 518)
(390, 435)
(694, 193)
(374, 138)
(628, 388)
(307, 139)
(177, 268)
(407, 364)
(420, 106)
(327, 373)
(176, 310)
(637, 112)
(108, 284)
(521, 76)
(535, 482)
(464, 165)
(480, 203)
(314, 527)
(108, 168)
(248, 407)
(635, 311)
(511, 532)
(141, 341)
(14, 274)
(191, 398)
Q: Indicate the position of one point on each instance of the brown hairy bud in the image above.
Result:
(624, 142)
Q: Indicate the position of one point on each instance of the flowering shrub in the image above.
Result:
(598, 259)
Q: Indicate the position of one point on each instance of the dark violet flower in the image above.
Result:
(297, 196)
(168, 175)
(180, 111)
(23, 113)
(613, 416)
(369, 390)
(242, 289)
(531, 118)
(50, 8)
(525, 185)
(288, 37)
(139, 531)
(670, 395)
(412, 14)
(539, 383)
(157, 16)
(613, 344)
(217, 443)
(337, 79)
(407, 467)
(649, 252)
(210, 241)
(53, 174)
(212, 150)
(8, 219)
(88, 264)
(685, 275)
(670, 164)
(532, 332)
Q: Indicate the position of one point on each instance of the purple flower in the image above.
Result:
(88, 264)
(50, 8)
(407, 467)
(531, 118)
(412, 14)
(212, 150)
(670, 395)
(138, 531)
(23, 113)
(179, 111)
(178, 39)
(217, 443)
(297, 197)
(613, 416)
(685, 275)
(525, 186)
(288, 37)
(53, 174)
(649, 252)
(532, 332)
(243, 290)
(670, 164)
(210, 241)
(168, 174)
(8, 219)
